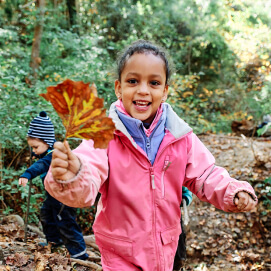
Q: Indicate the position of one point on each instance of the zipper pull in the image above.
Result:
(152, 178)
(166, 164)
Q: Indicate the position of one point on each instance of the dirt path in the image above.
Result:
(232, 242)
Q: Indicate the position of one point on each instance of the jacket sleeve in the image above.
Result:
(81, 191)
(209, 182)
(187, 195)
(38, 168)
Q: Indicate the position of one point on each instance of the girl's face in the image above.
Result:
(142, 87)
(37, 145)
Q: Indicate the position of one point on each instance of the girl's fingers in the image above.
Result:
(65, 164)
(244, 202)
(58, 172)
(59, 154)
(241, 201)
(62, 174)
(251, 204)
(60, 146)
(63, 151)
(74, 163)
(71, 156)
(61, 163)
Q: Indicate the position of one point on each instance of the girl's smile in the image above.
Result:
(141, 105)
(142, 87)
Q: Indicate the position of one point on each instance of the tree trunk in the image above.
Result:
(1, 177)
(71, 5)
(35, 54)
(1, 174)
(8, 10)
(189, 57)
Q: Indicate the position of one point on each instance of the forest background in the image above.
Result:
(221, 51)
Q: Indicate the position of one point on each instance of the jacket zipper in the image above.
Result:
(154, 218)
(165, 167)
(153, 194)
(152, 178)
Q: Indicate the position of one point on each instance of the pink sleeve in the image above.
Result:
(82, 190)
(209, 182)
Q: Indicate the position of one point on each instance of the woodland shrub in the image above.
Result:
(221, 51)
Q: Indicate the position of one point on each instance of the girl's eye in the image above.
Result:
(155, 83)
(132, 81)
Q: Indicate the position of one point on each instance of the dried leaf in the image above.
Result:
(41, 262)
(81, 111)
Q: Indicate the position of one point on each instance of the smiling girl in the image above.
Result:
(140, 175)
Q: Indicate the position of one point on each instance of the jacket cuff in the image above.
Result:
(26, 175)
(187, 199)
(235, 188)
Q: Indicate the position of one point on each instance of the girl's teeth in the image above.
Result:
(142, 103)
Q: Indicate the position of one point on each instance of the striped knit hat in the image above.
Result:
(41, 127)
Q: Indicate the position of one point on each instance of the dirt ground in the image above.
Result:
(225, 241)
(215, 240)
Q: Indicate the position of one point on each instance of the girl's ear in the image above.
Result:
(165, 93)
(118, 89)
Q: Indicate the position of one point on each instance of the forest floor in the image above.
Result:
(215, 240)
(232, 241)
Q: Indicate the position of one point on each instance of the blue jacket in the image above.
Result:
(40, 167)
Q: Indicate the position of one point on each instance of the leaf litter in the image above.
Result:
(216, 240)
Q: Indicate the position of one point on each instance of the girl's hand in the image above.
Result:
(65, 165)
(23, 181)
(244, 202)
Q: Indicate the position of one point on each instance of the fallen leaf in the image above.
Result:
(81, 111)
(41, 262)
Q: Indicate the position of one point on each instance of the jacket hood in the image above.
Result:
(174, 124)
(177, 126)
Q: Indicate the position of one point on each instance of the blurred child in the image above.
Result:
(58, 220)
(141, 173)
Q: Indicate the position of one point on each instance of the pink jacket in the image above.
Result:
(138, 218)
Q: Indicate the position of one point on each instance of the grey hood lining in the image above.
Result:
(176, 126)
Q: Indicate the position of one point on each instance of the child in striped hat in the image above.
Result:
(58, 220)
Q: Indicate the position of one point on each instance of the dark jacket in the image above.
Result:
(40, 167)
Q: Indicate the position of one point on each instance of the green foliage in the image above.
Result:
(264, 129)
(266, 192)
(15, 196)
(85, 217)
(221, 51)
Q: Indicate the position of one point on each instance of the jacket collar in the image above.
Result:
(174, 124)
(48, 151)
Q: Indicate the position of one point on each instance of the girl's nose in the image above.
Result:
(143, 89)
